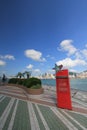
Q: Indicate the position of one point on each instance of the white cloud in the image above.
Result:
(66, 45)
(29, 66)
(2, 63)
(1, 57)
(73, 70)
(78, 54)
(84, 52)
(76, 57)
(10, 57)
(37, 70)
(48, 56)
(69, 63)
(35, 55)
(51, 57)
(51, 70)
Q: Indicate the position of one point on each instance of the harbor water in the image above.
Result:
(80, 84)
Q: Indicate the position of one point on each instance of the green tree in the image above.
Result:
(20, 75)
(28, 74)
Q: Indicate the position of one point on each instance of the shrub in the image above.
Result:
(36, 86)
(13, 80)
(21, 81)
(25, 82)
(33, 81)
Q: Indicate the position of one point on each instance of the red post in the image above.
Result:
(63, 90)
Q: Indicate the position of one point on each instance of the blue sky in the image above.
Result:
(36, 34)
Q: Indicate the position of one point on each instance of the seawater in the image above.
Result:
(80, 84)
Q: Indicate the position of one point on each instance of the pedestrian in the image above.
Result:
(3, 78)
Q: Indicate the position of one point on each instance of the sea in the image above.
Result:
(75, 83)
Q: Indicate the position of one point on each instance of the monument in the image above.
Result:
(63, 88)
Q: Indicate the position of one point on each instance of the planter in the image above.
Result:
(32, 93)
(35, 91)
(19, 86)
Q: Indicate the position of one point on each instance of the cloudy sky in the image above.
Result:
(36, 34)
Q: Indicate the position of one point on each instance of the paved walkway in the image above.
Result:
(19, 111)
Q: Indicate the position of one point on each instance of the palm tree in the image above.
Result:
(28, 74)
(20, 75)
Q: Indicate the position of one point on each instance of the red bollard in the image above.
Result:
(63, 90)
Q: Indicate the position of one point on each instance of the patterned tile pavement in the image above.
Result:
(20, 112)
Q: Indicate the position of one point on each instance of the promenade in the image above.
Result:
(20, 111)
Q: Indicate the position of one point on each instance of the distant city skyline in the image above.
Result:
(34, 35)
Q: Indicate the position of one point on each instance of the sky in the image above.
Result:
(37, 34)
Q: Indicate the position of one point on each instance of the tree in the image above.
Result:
(28, 74)
(20, 75)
